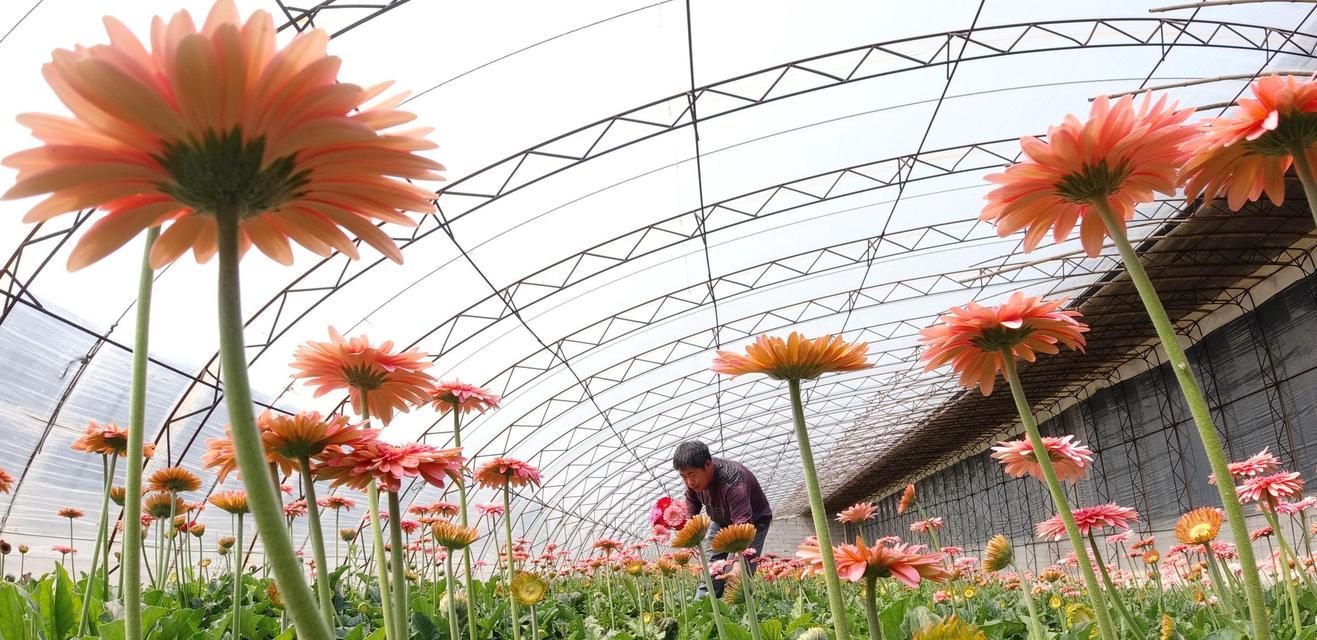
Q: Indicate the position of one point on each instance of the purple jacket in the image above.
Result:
(733, 497)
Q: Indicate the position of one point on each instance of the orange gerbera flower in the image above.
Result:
(308, 435)
(692, 534)
(902, 562)
(463, 397)
(453, 536)
(1199, 526)
(70, 513)
(157, 505)
(220, 120)
(501, 472)
(378, 381)
(733, 538)
(1120, 156)
(796, 358)
(1247, 152)
(104, 439)
(907, 499)
(858, 512)
(972, 338)
(231, 501)
(173, 480)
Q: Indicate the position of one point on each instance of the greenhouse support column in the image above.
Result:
(1193, 395)
(835, 602)
(131, 567)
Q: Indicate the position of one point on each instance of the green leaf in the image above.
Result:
(288, 634)
(891, 617)
(59, 607)
(14, 604)
(771, 629)
(355, 634)
(377, 634)
(1224, 634)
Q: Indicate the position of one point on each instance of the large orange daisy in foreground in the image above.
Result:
(974, 338)
(796, 358)
(1121, 156)
(378, 380)
(220, 121)
(1247, 152)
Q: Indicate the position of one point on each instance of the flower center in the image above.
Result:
(1093, 182)
(1201, 531)
(221, 172)
(1293, 130)
(364, 377)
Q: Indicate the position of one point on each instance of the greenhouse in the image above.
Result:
(658, 320)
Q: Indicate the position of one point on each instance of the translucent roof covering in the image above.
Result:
(633, 184)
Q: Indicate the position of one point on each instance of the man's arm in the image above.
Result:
(693, 504)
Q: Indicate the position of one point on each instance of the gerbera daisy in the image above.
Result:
(444, 509)
(378, 381)
(907, 499)
(63, 549)
(796, 358)
(733, 538)
(307, 435)
(1069, 458)
(1089, 519)
(501, 472)
(489, 509)
(924, 526)
(295, 509)
(173, 480)
(1270, 488)
(389, 464)
(1257, 464)
(1247, 152)
(857, 513)
(974, 338)
(70, 513)
(347, 535)
(117, 495)
(692, 534)
(166, 137)
(337, 502)
(951, 628)
(1258, 534)
(6, 481)
(1297, 507)
(906, 565)
(527, 588)
(103, 439)
(453, 536)
(159, 505)
(1120, 157)
(462, 397)
(231, 501)
(1199, 526)
(997, 554)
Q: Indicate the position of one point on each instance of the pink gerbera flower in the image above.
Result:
(1271, 488)
(857, 513)
(489, 509)
(389, 464)
(856, 561)
(465, 398)
(924, 526)
(1088, 519)
(1069, 458)
(501, 472)
(1259, 463)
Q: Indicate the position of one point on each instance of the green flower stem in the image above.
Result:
(511, 562)
(713, 598)
(381, 568)
(317, 540)
(466, 551)
(1036, 631)
(1202, 415)
(131, 565)
(262, 495)
(398, 568)
(236, 629)
(750, 612)
(107, 467)
(608, 589)
(820, 515)
(1304, 169)
(534, 624)
(640, 606)
(1112, 593)
(1286, 551)
(1104, 622)
(1218, 582)
(871, 608)
(453, 631)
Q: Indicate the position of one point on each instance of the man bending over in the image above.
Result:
(728, 490)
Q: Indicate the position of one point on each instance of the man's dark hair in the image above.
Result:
(691, 454)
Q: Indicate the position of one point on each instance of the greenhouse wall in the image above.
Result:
(1260, 375)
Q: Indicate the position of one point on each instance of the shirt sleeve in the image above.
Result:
(738, 503)
(693, 504)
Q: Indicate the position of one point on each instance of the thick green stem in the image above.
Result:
(713, 598)
(317, 541)
(262, 495)
(1202, 415)
(871, 608)
(381, 564)
(1286, 555)
(511, 563)
(466, 552)
(1218, 582)
(820, 515)
(236, 629)
(399, 569)
(1104, 622)
(453, 631)
(1303, 168)
(131, 566)
(746, 580)
(100, 550)
(1035, 625)
(1113, 595)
